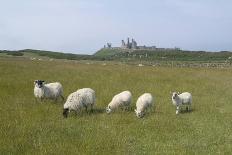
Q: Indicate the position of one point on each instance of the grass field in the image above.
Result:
(27, 127)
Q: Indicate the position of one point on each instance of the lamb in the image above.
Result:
(48, 91)
(122, 100)
(144, 102)
(84, 97)
(179, 100)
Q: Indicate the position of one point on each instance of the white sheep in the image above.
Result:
(144, 102)
(48, 91)
(180, 100)
(84, 97)
(122, 100)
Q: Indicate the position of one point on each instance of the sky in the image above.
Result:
(84, 26)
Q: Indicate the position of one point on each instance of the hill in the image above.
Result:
(118, 54)
(162, 55)
(49, 54)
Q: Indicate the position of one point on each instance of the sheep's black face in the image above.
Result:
(39, 83)
(65, 113)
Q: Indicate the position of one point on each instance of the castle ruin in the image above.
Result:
(133, 46)
(129, 45)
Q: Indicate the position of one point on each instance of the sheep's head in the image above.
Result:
(39, 83)
(65, 112)
(108, 110)
(174, 95)
(139, 114)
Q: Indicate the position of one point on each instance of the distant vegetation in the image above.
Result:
(130, 55)
(59, 55)
(167, 55)
(15, 53)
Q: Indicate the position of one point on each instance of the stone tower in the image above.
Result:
(128, 43)
(133, 44)
(123, 44)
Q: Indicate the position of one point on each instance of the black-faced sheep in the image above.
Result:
(48, 91)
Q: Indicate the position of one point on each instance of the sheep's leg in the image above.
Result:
(36, 100)
(86, 108)
(147, 110)
(190, 107)
(124, 108)
(78, 111)
(127, 108)
(150, 109)
(41, 99)
(153, 108)
(91, 106)
(62, 97)
(177, 110)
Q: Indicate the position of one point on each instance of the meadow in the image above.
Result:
(30, 127)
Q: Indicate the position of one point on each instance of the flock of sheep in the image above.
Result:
(85, 98)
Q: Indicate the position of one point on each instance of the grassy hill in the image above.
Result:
(128, 55)
(50, 54)
(163, 55)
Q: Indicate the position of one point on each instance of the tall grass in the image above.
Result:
(30, 127)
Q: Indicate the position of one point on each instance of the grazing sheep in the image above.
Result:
(122, 99)
(48, 91)
(144, 102)
(179, 100)
(84, 97)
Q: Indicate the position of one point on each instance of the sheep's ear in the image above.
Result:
(178, 93)
(109, 107)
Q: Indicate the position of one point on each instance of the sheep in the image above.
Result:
(183, 99)
(144, 102)
(48, 91)
(84, 97)
(122, 99)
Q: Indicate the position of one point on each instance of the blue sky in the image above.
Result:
(84, 26)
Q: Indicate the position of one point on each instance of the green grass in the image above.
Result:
(126, 55)
(27, 127)
(162, 55)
